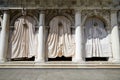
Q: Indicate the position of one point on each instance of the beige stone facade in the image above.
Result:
(37, 15)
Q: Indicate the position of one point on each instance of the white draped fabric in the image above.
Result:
(97, 39)
(60, 42)
(23, 42)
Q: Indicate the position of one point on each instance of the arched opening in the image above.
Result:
(97, 40)
(23, 39)
(60, 43)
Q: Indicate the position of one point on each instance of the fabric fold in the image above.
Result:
(23, 41)
(97, 39)
(60, 42)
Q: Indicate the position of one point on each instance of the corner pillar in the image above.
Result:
(115, 37)
(4, 36)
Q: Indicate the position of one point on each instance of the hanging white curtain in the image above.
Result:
(23, 42)
(60, 42)
(97, 39)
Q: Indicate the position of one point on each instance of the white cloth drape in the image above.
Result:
(23, 41)
(60, 42)
(97, 39)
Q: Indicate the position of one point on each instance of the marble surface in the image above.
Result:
(60, 64)
(59, 74)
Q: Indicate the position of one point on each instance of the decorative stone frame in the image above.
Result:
(51, 13)
(103, 15)
(17, 13)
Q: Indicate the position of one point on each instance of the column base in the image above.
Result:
(78, 60)
(2, 60)
(110, 60)
(116, 60)
(39, 60)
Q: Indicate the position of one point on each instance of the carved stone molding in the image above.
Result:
(50, 13)
(59, 3)
(18, 13)
(104, 15)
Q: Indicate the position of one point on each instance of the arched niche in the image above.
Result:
(51, 13)
(65, 15)
(16, 14)
(96, 38)
(60, 41)
(23, 38)
(106, 23)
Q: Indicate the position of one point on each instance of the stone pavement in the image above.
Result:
(60, 74)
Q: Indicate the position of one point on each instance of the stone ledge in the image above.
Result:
(59, 7)
(30, 64)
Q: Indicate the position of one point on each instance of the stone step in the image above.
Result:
(59, 64)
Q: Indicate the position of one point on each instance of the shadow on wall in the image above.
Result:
(60, 59)
(24, 59)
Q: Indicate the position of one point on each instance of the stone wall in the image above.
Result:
(59, 3)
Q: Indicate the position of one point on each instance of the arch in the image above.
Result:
(60, 19)
(27, 17)
(93, 20)
(63, 14)
(60, 41)
(98, 17)
(97, 39)
(18, 14)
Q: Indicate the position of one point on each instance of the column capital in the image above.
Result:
(42, 18)
(78, 10)
(6, 10)
(114, 18)
(78, 17)
(114, 11)
(42, 11)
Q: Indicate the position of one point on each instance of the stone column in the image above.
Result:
(41, 42)
(115, 37)
(4, 36)
(78, 37)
